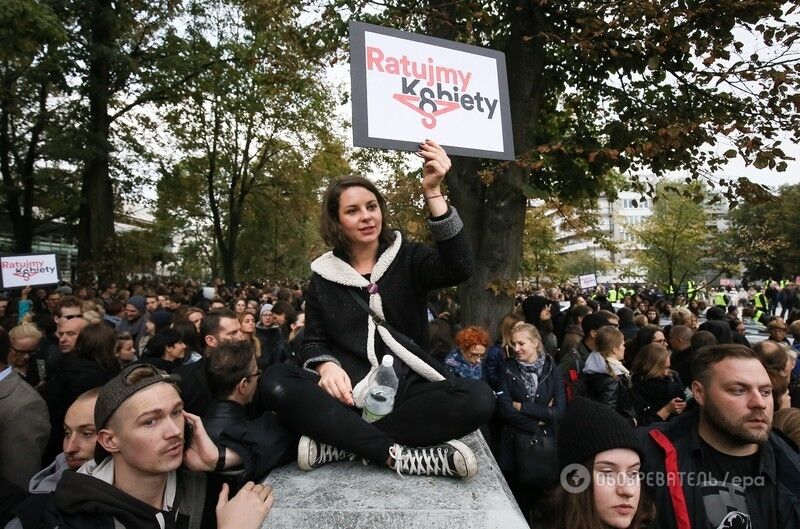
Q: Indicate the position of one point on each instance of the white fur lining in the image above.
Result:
(338, 271)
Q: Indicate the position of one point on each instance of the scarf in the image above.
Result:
(463, 369)
(531, 374)
(616, 366)
(338, 271)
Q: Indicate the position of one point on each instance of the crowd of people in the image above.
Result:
(165, 404)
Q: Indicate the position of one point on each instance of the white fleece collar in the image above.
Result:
(340, 272)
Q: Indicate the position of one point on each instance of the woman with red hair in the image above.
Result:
(465, 361)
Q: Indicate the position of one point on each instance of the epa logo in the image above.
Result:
(575, 478)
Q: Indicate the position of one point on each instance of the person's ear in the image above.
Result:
(108, 441)
(699, 392)
(241, 387)
(211, 341)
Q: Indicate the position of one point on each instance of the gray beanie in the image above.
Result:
(139, 302)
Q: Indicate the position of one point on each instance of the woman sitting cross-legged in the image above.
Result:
(374, 279)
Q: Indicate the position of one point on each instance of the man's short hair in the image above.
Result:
(702, 339)
(578, 312)
(227, 365)
(713, 354)
(681, 332)
(210, 324)
(69, 302)
(592, 322)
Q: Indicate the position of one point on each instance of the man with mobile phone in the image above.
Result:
(138, 477)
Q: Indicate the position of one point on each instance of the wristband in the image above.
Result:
(220, 459)
(432, 196)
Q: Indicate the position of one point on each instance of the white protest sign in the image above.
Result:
(588, 281)
(29, 270)
(408, 87)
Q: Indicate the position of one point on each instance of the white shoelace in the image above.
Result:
(421, 461)
(328, 454)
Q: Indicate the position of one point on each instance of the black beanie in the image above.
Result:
(590, 427)
(532, 308)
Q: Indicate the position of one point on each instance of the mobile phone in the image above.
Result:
(188, 433)
(687, 394)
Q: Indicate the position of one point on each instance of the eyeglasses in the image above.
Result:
(256, 374)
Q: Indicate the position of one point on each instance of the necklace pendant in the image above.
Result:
(372, 288)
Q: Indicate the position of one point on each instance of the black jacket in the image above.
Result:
(336, 326)
(779, 463)
(274, 347)
(264, 443)
(615, 392)
(535, 408)
(85, 502)
(194, 387)
(653, 394)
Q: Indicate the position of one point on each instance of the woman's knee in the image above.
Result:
(479, 399)
(275, 384)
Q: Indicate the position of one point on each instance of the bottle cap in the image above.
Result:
(388, 360)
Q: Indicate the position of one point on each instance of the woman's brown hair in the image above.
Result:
(651, 361)
(567, 510)
(98, 342)
(330, 228)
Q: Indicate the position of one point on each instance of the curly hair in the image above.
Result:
(469, 337)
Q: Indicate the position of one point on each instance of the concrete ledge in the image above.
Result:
(350, 495)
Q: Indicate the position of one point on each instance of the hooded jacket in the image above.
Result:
(43, 483)
(339, 330)
(87, 499)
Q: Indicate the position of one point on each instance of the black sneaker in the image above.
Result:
(452, 458)
(312, 454)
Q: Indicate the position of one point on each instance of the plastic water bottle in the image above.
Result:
(380, 398)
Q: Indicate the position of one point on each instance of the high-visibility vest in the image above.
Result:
(719, 299)
(612, 295)
(690, 288)
(759, 301)
(670, 290)
(784, 282)
(758, 315)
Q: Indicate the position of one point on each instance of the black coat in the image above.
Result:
(615, 392)
(653, 394)
(535, 408)
(336, 326)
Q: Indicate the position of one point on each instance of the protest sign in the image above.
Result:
(588, 281)
(408, 87)
(29, 270)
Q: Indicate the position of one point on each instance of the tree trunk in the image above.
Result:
(96, 225)
(494, 214)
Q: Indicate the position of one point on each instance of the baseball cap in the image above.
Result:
(125, 385)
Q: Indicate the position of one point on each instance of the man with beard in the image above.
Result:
(720, 466)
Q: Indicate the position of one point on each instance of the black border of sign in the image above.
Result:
(58, 270)
(358, 83)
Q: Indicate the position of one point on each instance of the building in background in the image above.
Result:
(616, 218)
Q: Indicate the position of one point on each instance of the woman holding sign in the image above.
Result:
(367, 299)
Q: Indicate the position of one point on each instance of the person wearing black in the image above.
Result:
(166, 350)
(605, 379)
(374, 270)
(680, 343)
(658, 389)
(726, 466)
(219, 325)
(263, 443)
(531, 400)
